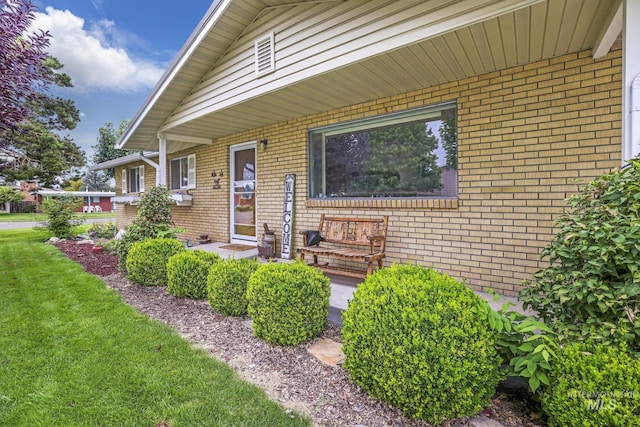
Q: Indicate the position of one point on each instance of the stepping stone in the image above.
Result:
(327, 351)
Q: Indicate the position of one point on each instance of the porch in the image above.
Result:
(342, 287)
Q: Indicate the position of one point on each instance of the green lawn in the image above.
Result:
(31, 217)
(73, 354)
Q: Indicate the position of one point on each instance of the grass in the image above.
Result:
(73, 354)
(36, 217)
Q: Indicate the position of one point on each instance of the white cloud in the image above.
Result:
(88, 56)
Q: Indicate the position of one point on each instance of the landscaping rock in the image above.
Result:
(327, 351)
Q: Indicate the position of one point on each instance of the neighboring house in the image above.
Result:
(27, 188)
(93, 201)
(467, 122)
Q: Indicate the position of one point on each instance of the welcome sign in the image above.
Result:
(287, 215)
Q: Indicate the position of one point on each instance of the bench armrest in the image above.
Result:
(376, 241)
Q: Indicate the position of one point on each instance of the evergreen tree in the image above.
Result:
(105, 149)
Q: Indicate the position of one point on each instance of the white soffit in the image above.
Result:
(470, 38)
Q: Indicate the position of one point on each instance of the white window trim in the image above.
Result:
(191, 172)
(123, 182)
(126, 182)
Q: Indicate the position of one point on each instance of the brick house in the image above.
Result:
(468, 122)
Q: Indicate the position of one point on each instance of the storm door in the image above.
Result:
(243, 192)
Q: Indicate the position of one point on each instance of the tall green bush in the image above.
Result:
(591, 288)
(152, 220)
(288, 302)
(61, 221)
(419, 339)
(227, 285)
(187, 273)
(147, 260)
(593, 387)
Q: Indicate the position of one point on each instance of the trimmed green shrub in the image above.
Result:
(147, 260)
(591, 288)
(187, 273)
(288, 302)
(227, 285)
(593, 387)
(420, 340)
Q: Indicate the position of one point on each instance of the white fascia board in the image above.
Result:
(210, 19)
(458, 15)
(609, 32)
(123, 160)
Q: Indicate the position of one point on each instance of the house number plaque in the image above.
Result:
(287, 215)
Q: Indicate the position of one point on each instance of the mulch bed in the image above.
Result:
(97, 263)
(289, 375)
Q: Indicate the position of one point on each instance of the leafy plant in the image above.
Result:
(594, 386)
(187, 273)
(525, 344)
(102, 231)
(227, 285)
(147, 260)
(288, 302)
(61, 221)
(591, 289)
(152, 220)
(418, 339)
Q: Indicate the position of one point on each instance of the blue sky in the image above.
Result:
(115, 51)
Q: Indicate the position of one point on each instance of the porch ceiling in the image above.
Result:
(546, 29)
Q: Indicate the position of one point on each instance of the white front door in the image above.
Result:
(243, 192)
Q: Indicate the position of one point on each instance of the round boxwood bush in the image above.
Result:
(187, 273)
(147, 260)
(593, 387)
(288, 302)
(227, 285)
(419, 339)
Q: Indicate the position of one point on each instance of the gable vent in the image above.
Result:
(264, 53)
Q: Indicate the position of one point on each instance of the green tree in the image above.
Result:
(40, 154)
(34, 148)
(105, 149)
(8, 195)
(96, 181)
(74, 185)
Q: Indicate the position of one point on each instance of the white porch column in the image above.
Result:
(161, 172)
(630, 80)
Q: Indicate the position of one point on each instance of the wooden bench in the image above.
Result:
(342, 234)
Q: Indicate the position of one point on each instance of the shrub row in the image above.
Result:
(288, 303)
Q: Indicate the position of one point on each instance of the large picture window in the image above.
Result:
(183, 172)
(411, 154)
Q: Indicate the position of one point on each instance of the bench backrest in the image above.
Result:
(354, 231)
